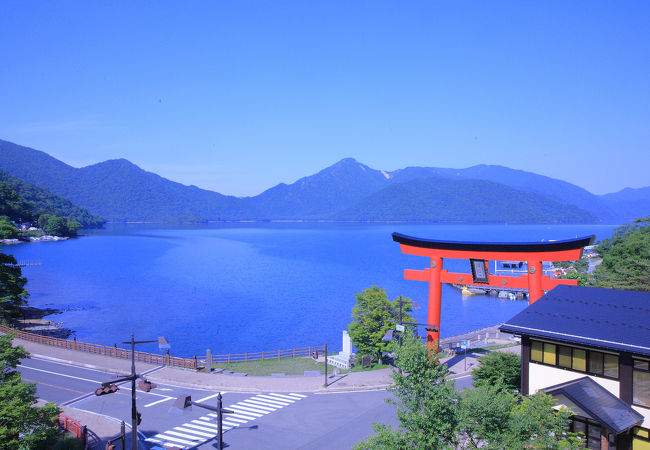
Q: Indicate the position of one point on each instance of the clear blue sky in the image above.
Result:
(239, 96)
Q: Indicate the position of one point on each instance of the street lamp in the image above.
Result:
(110, 387)
(185, 401)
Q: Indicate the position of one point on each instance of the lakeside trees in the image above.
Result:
(12, 288)
(23, 425)
(433, 415)
(374, 315)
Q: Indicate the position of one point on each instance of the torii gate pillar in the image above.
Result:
(482, 252)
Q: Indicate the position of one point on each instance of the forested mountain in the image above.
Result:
(320, 195)
(441, 199)
(348, 190)
(44, 202)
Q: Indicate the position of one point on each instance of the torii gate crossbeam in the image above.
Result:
(534, 253)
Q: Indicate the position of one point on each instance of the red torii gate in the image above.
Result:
(479, 254)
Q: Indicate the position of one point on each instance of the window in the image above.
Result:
(641, 384)
(549, 353)
(596, 363)
(589, 361)
(564, 356)
(536, 351)
(579, 359)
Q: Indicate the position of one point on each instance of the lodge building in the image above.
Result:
(590, 349)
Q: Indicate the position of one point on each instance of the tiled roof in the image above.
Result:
(608, 318)
(604, 407)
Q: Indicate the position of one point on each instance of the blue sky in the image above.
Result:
(239, 96)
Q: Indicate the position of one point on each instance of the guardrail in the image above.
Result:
(104, 350)
(274, 354)
(72, 426)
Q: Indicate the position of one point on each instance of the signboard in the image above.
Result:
(400, 328)
(463, 344)
(480, 272)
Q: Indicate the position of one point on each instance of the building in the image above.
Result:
(590, 349)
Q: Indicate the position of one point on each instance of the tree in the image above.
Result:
(626, 258)
(493, 417)
(374, 314)
(498, 369)
(426, 402)
(7, 230)
(12, 287)
(22, 424)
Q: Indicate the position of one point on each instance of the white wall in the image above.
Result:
(540, 377)
(645, 412)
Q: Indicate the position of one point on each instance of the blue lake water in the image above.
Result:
(251, 287)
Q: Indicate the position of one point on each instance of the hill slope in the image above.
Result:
(440, 199)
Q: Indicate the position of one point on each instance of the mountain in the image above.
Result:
(321, 195)
(441, 199)
(120, 191)
(557, 190)
(629, 204)
(44, 202)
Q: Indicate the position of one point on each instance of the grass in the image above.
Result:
(288, 366)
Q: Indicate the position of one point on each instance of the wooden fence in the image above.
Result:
(163, 360)
(72, 426)
(104, 350)
(274, 354)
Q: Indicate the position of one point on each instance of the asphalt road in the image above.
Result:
(262, 421)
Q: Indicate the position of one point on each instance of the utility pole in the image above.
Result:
(325, 365)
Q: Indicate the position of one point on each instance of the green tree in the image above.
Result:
(494, 418)
(374, 314)
(22, 424)
(12, 287)
(426, 402)
(498, 369)
(626, 258)
(8, 231)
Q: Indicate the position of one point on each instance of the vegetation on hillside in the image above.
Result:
(13, 294)
(45, 202)
(433, 415)
(625, 260)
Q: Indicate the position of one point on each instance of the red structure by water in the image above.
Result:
(479, 254)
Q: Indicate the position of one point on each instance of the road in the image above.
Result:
(268, 420)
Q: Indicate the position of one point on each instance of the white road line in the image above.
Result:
(249, 411)
(285, 400)
(241, 416)
(191, 425)
(158, 441)
(231, 418)
(158, 401)
(207, 424)
(209, 397)
(259, 404)
(284, 396)
(189, 430)
(298, 395)
(60, 374)
(271, 402)
(183, 435)
(174, 439)
(231, 424)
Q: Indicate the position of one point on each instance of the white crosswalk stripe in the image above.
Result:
(198, 431)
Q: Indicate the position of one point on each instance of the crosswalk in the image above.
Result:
(197, 431)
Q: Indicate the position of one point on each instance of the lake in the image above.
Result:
(250, 287)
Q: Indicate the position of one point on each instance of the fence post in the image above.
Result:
(228, 357)
(245, 356)
(196, 363)
(278, 354)
(294, 352)
(74, 345)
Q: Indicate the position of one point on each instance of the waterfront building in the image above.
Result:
(590, 349)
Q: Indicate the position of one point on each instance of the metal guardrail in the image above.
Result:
(72, 426)
(163, 360)
(104, 350)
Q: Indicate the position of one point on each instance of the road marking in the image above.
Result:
(258, 404)
(182, 435)
(191, 425)
(242, 416)
(296, 395)
(271, 402)
(277, 399)
(158, 401)
(206, 425)
(249, 411)
(231, 418)
(174, 439)
(209, 397)
(59, 374)
(198, 433)
(349, 392)
(51, 385)
(210, 424)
